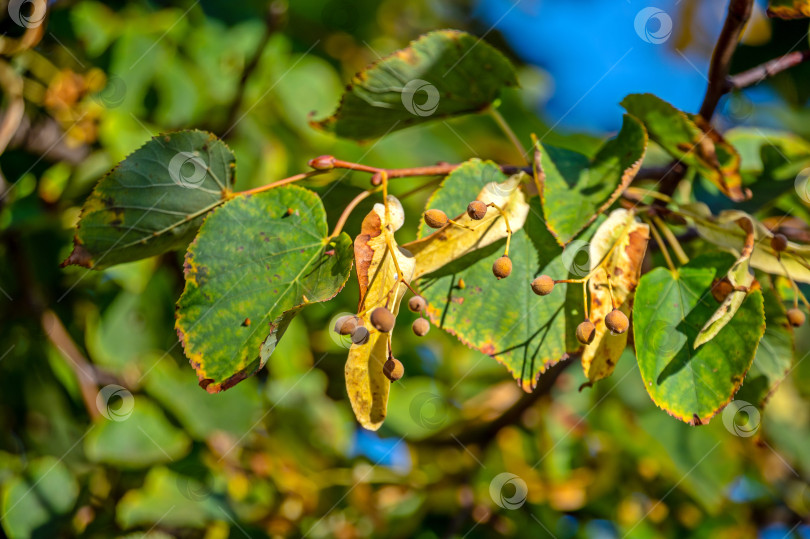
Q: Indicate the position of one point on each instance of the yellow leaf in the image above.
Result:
(451, 242)
(723, 231)
(366, 384)
(618, 245)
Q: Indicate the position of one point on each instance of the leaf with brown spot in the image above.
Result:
(618, 245)
(692, 141)
(154, 200)
(266, 272)
(366, 384)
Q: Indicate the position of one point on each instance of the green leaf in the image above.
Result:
(154, 200)
(789, 9)
(441, 74)
(256, 262)
(234, 412)
(32, 500)
(669, 310)
(739, 277)
(576, 189)
(503, 318)
(171, 500)
(691, 142)
(775, 353)
(138, 440)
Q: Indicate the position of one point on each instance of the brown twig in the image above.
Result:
(273, 21)
(757, 74)
(85, 374)
(739, 11)
(484, 434)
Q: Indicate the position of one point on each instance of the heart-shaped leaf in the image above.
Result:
(256, 262)
(501, 318)
(154, 200)
(443, 73)
(691, 141)
(576, 189)
(669, 310)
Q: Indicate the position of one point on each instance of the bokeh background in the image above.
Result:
(153, 455)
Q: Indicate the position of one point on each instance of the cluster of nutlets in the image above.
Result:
(383, 321)
(616, 321)
(476, 210)
(796, 317)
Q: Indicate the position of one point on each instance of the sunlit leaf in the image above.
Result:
(443, 73)
(576, 189)
(256, 262)
(501, 318)
(723, 231)
(366, 384)
(668, 312)
(691, 142)
(618, 245)
(154, 200)
(789, 9)
(479, 181)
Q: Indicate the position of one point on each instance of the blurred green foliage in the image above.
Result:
(280, 454)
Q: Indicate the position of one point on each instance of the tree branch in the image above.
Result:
(739, 11)
(757, 74)
(483, 434)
